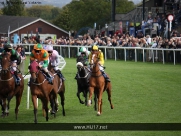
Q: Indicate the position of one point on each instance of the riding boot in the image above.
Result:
(105, 76)
(50, 78)
(17, 80)
(59, 73)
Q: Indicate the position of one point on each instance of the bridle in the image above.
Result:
(93, 64)
(7, 69)
(85, 69)
(36, 73)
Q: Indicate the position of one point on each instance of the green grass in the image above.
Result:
(141, 93)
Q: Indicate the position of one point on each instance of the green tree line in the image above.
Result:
(73, 16)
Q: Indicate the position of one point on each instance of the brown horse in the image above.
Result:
(97, 83)
(8, 89)
(40, 88)
(61, 87)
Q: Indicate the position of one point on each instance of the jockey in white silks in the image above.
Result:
(54, 60)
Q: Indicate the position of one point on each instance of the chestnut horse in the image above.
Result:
(40, 88)
(8, 89)
(61, 87)
(97, 83)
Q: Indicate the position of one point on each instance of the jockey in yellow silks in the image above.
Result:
(42, 56)
(101, 60)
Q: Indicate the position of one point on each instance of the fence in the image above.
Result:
(122, 53)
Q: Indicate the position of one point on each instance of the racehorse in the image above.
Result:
(83, 76)
(97, 83)
(8, 88)
(61, 87)
(40, 88)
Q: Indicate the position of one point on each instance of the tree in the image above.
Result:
(63, 20)
(1, 12)
(14, 8)
(84, 13)
(47, 12)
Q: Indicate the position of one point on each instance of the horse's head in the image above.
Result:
(5, 62)
(79, 66)
(95, 59)
(33, 68)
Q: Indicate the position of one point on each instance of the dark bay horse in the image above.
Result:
(40, 88)
(97, 83)
(8, 89)
(61, 87)
(83, 75)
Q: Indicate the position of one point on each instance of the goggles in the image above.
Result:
(7, 50)
(50, 51)
(37, 51)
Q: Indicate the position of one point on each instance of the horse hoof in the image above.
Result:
(2, 115)
(82, 102)
(98, 113)
(52, 112)
(89, 103)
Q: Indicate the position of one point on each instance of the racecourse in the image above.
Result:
(141, 93)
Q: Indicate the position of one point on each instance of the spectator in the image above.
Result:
(21, 53)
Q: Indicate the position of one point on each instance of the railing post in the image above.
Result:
(105, 54)
(174, 56)
(135, 55)
(115, 54)
(143, 55)
(124, 54)
(69, 51)
(163, 56)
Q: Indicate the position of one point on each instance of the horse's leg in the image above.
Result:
(18, 100)
(46, 107)
(1, 103)
(34, 100)
(91, 90)
(3, 107)
(101, 107)
(62, 96)
(99, 101)
(85, 95)
(95, 100)
(109, 96)
(53, 98)
(43, 108)
(78, 95)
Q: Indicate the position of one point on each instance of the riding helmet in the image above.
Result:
(94, 47)
(82, 49)
(7, 46)
(49, 48)
(38, 47)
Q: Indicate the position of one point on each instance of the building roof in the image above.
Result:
(18, 22)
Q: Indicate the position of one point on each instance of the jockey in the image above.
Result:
(101, 61)
(15, 60)
(54, 60)
(41, 55)
(83, 53)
